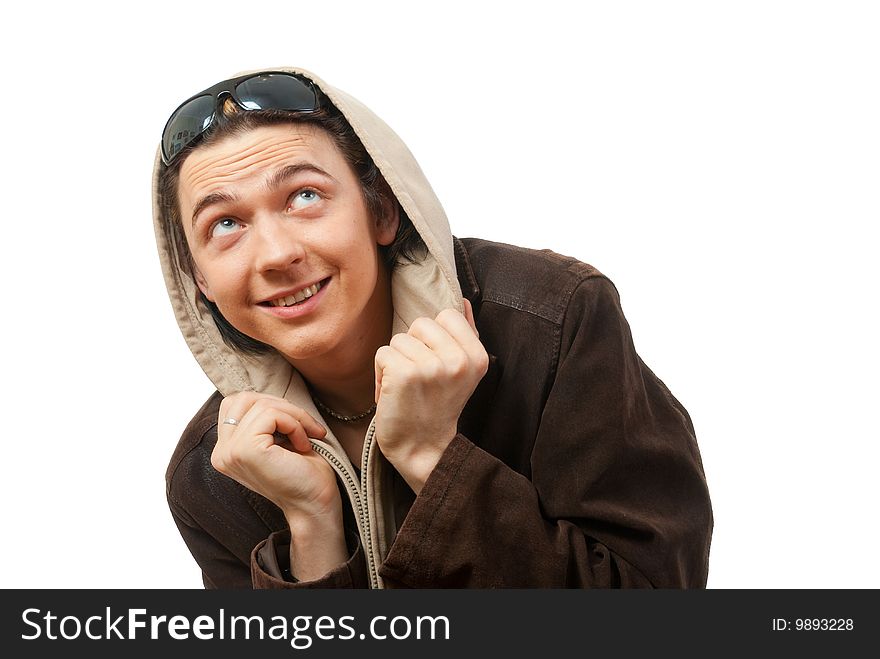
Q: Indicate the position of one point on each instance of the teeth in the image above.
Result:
(299, 296)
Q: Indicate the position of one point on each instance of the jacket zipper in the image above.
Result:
(372, 569)
(359, 501)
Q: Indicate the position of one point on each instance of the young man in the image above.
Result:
(397, 407)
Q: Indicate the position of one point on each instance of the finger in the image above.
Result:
(236, 404)
(260, 425)
(462, 333)
(457, 325)
(311, 425)
(377, 385)
(457, 354)
(388, 360)
(380, 362)
(415, 349)
(244, 406)
(432, 334)
(465, 335)
(233, 408)
(469, 315)
(294, 430)
(254, 436)
(426, 363)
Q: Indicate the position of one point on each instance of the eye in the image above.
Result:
(225, 226)
(303, 198)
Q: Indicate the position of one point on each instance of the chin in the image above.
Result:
(303, 350)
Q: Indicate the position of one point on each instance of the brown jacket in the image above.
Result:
(574, 465)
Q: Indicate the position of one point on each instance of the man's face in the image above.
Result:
(282, 240)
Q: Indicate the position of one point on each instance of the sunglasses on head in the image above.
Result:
(269, 90)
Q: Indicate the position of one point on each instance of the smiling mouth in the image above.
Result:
(297, 298)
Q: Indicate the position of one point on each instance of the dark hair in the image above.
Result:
(231, 121)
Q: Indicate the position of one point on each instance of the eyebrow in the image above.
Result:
(282, 175)
(273, 181)
(211, 200)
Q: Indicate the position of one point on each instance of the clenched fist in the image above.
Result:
(424, 378)
(287, 472)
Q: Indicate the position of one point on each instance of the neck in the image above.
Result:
(345, 379)
(346, 394)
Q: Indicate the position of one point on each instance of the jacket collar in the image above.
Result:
(470, 288)
(473, 416)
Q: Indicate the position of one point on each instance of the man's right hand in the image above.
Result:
(288, 473)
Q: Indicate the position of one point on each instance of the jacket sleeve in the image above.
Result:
(221, 568)
(270, 566)
(616, 495)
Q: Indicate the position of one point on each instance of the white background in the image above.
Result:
(718, 160)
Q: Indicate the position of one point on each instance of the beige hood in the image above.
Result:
(417, 290)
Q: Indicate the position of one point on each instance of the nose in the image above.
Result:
(277, 244)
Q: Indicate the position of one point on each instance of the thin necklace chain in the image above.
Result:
(342, 417)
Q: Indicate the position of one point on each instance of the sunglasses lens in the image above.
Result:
(276, 91)
(186, 124)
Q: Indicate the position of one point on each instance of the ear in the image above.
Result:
(203, 285)
(387, 224)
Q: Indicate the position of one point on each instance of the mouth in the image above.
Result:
(297, 297)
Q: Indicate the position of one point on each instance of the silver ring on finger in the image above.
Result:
(230, 421)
